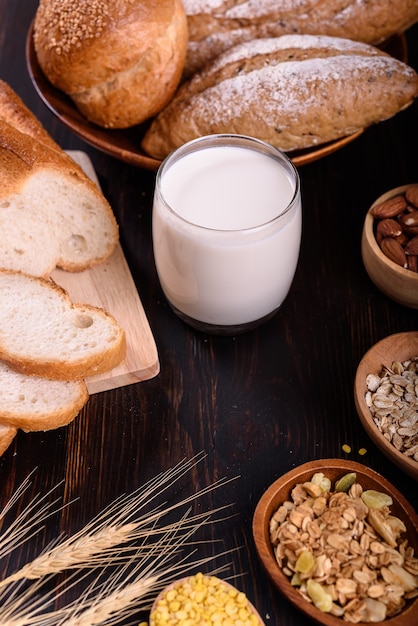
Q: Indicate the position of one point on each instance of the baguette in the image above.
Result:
(215, 26)
(294, 91)
(32, 403)
(120, 61)
(42, 333)
(52, 214)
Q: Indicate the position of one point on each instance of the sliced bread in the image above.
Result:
(33, 403)
(52, 214)
(43, 333)
(7, 434)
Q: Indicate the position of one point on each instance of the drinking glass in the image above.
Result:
(227, 223)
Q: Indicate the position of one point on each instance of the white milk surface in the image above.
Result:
(217, 272)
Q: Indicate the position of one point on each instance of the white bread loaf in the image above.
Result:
(119, 60)
(294, 91)
(32, 403)
(52, 214)
(216, 25)
(42, 333)
(7, 434)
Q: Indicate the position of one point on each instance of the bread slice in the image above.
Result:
(34, 403)
(43, 333)
(52, 215)
(7, 434)
(294, 91)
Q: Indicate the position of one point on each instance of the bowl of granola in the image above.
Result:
(389, 244)
(386, 398)
(340, 542)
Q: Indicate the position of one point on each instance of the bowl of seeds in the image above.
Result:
(340, 542)
(389, 244)
(386, 398)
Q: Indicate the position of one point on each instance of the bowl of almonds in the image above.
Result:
(386, 398)
(389, 244)
(340, 542)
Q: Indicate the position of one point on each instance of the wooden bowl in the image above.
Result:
(279, 492)
(397, 347)
(180, 581)
(396, 282)
(124, 144)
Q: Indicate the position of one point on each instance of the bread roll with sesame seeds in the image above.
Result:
(120, 61)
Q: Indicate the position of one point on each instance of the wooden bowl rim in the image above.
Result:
(380, 348)
(270, 500)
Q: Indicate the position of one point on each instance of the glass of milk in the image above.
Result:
(227, 223)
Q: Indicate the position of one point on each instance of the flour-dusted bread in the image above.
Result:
(32, 403)
(42, 333)
(119, 60)
(51, 214)
(216, 25)
(294, 91)
(7, 434)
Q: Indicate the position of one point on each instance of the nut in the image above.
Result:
(390, 208)
(394, 251)
(412, 246)
(396, 219)
(411, 195)
(388, 228)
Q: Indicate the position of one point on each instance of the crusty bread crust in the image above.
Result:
(14, 112)
(42, 333)
(119, 60)
(294, 91)
(215, 26)
(34, 404)
(52, 213)
(7, 434)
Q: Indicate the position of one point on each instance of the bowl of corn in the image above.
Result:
(340, 542)
(201, 599)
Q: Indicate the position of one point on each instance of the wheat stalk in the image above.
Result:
(133, 573)
(29, 521)
(96, 543)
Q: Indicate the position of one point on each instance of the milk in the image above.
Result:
(226, 233)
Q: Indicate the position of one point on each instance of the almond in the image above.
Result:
(394, 251)
(388, 228)
(412, 260)
(390, 208)
(412, 246)
(411, 195)
(409, 223)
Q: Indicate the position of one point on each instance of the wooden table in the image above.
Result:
(257, 404)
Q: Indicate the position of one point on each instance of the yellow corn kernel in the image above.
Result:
(204, 601)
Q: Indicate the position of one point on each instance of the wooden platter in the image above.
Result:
(125, 144)
(110, 285)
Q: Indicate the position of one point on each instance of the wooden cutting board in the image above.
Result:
(110, 285)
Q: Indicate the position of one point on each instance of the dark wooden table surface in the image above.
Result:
(257, 404)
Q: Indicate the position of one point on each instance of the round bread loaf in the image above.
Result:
(294, 91)
(120, 61)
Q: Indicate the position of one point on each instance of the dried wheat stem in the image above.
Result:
(72, 553)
